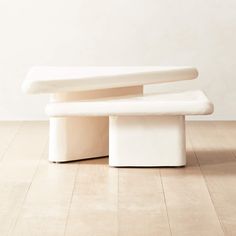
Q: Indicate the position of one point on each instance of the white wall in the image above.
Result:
(118, 32)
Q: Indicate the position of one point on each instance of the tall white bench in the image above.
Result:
(144, 130)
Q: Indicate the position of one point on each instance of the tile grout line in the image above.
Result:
(28, 189)
(71, 198)
(199, 165)
(168, 218)
(12, 140)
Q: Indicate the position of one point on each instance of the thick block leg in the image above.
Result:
(147, 141)
(75, 138)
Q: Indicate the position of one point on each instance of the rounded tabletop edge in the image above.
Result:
(46, 79)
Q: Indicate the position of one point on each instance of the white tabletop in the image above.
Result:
(44, 79)
(183, 103)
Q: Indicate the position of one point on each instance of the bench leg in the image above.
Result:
(147, 141)
(75, 138)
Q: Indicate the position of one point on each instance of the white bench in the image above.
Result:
(144, 130)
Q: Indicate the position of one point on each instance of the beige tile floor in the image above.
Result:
(89, 198)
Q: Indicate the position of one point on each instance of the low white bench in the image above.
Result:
(144, 130)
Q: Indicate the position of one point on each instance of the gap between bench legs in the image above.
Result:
(147, 141)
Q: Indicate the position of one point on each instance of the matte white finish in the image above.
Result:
(139, 125)
(147, 141)
(185, 103)
(142, 128)
(62, 79)
(75, 138)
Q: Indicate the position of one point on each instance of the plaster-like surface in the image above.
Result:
(147, 141)
(80, 137)
(64, 79)
(185, 103)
